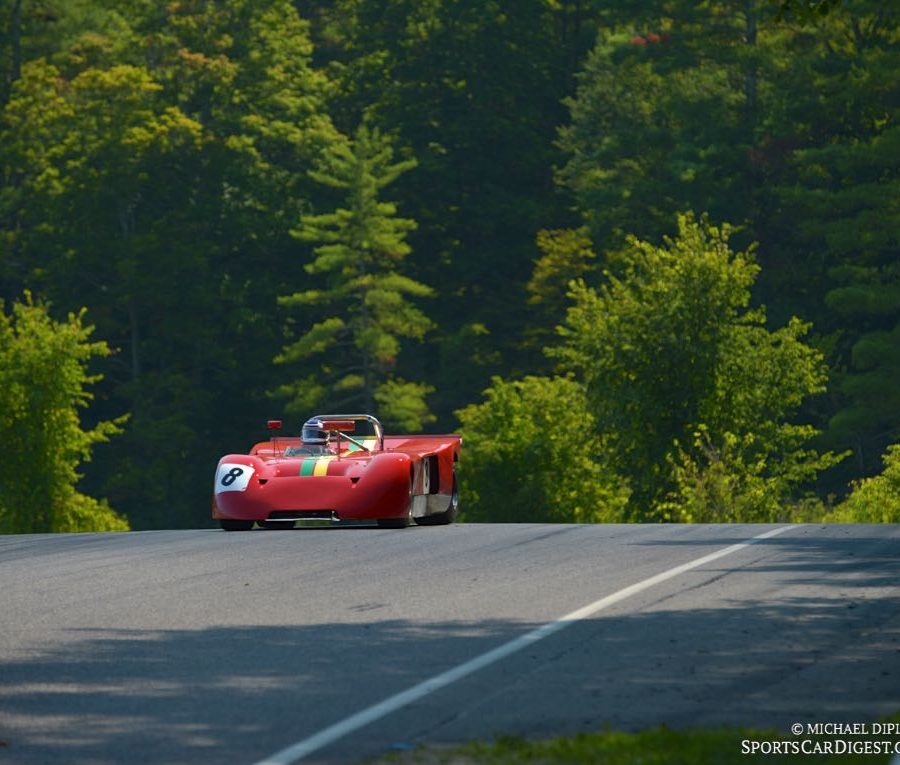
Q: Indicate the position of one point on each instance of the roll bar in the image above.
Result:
(337, 420)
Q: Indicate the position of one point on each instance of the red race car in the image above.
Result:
(341, 468)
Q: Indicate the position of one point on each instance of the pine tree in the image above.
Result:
(363, 308)
(840, 197)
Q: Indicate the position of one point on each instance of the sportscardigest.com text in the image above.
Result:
(873, 738)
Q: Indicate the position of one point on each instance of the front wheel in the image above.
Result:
(403, 521)
(282, 525)
(393, 523)
(236, 525)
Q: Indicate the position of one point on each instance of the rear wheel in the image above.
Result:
(449, 515)
(236, 525)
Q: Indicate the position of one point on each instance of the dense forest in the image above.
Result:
(644, 255)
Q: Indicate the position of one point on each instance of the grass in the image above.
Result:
(658, 746)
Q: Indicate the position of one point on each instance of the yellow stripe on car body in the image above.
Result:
(321, 467)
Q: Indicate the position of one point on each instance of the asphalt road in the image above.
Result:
(209, 647)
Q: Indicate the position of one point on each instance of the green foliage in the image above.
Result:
(403, 404)
(789, 130)
(155, 159)
(744, 479)
(653, 746)
(874, 500)
(43, 384)
(360, 249)
(666, 111)
(532, 454)
(690, 391)
(474, 90)
(152, 168)
(804, 11)
(849, 219)
(566, 255)
(98, 131)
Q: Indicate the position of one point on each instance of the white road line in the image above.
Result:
(339, 730)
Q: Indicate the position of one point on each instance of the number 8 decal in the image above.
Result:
(232, 477)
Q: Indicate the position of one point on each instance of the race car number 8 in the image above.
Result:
(232, 477)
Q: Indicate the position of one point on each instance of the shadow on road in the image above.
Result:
(228, 693)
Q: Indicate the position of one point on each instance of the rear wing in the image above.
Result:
(423, 444)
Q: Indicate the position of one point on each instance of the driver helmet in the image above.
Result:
(314, 433)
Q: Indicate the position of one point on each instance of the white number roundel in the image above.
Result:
(232, 477)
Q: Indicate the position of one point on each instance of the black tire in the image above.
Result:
(282, 525)
(393, 523)
(236, 525)
(449, 515)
